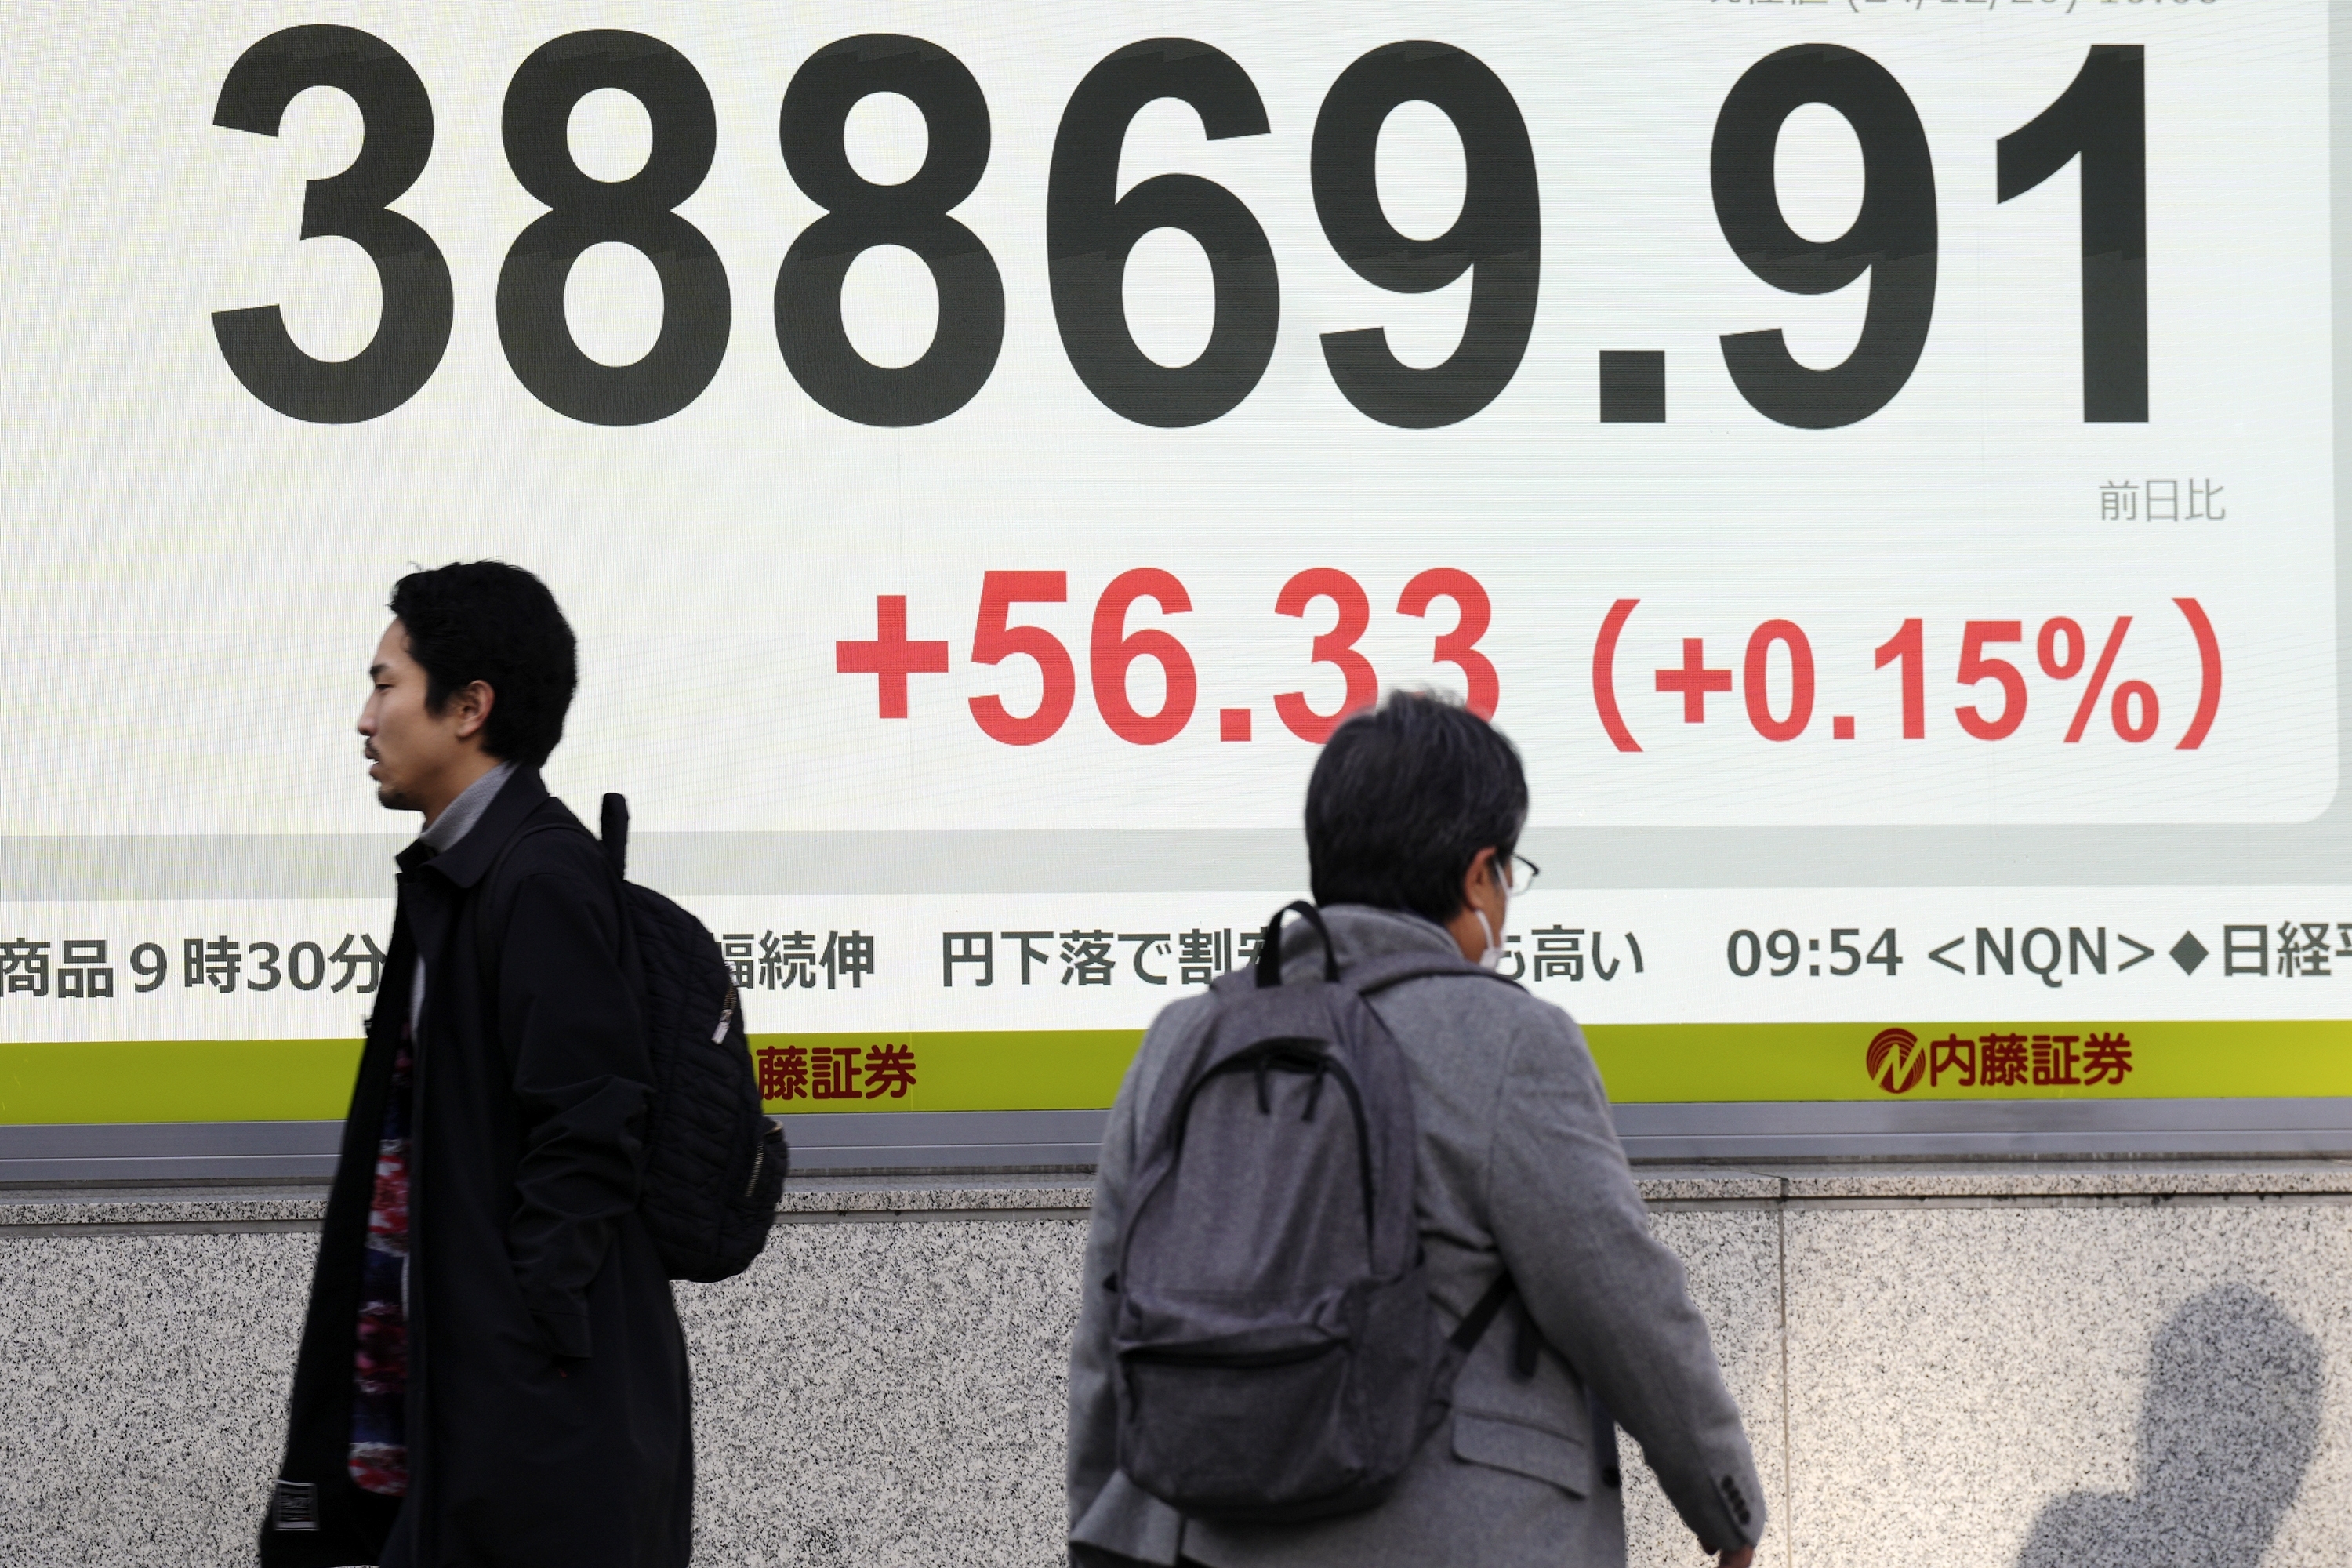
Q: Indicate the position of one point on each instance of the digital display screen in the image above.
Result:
(1875, 458)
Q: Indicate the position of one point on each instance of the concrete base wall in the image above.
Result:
(1987, 1366)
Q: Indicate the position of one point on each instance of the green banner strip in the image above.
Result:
(1043, 1069)
(1079, 1070)
(177, 1080)
(2229, 1059)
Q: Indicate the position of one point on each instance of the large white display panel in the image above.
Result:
(1901, 415)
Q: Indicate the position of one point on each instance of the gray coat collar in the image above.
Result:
(1360, 932)
(464, 811)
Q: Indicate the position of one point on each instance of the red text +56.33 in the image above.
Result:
(890, 656)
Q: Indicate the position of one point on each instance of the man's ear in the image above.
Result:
(473, 702)
(1474, 879)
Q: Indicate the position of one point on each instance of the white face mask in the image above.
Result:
(1492, 958)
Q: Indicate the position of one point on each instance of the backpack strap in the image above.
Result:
(614, 820)
(1376, 975)
(1268, 967)
(1481, 1317)
(1395, 970)
(1482, 1314)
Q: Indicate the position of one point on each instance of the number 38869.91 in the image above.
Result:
(1091, 228)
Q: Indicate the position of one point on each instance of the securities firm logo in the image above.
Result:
(1896, 1060)
(2008, 1057)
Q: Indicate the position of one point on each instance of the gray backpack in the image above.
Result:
(1278, 1358)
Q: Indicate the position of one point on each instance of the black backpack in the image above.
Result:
(715, 1162)
(1278, 1358)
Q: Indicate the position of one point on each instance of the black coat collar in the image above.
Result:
(467, 861)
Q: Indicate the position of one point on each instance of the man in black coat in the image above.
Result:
(491, 1371)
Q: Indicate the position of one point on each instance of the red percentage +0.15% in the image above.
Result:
(2061, 648)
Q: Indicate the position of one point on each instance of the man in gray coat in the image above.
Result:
(1411, 818)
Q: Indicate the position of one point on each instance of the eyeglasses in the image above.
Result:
(1519, 873)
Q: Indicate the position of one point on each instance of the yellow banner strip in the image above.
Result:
(1078, 1069)
(177, 1080)
(2104, 1059)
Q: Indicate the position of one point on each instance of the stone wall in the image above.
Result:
(1994, 1365)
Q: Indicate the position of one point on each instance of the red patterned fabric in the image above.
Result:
(379, 1451)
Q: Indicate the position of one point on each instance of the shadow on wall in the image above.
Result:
(2230, 1422)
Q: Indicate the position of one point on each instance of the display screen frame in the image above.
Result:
(1247, 861)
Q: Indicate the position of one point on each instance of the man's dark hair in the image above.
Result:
(1401, 801)
(487, 621)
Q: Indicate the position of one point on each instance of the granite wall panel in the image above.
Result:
(2004, 1386)
(142, 1395)
(887, 1395)
(1989, 1379)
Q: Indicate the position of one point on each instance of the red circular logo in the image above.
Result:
(1896, 1060)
